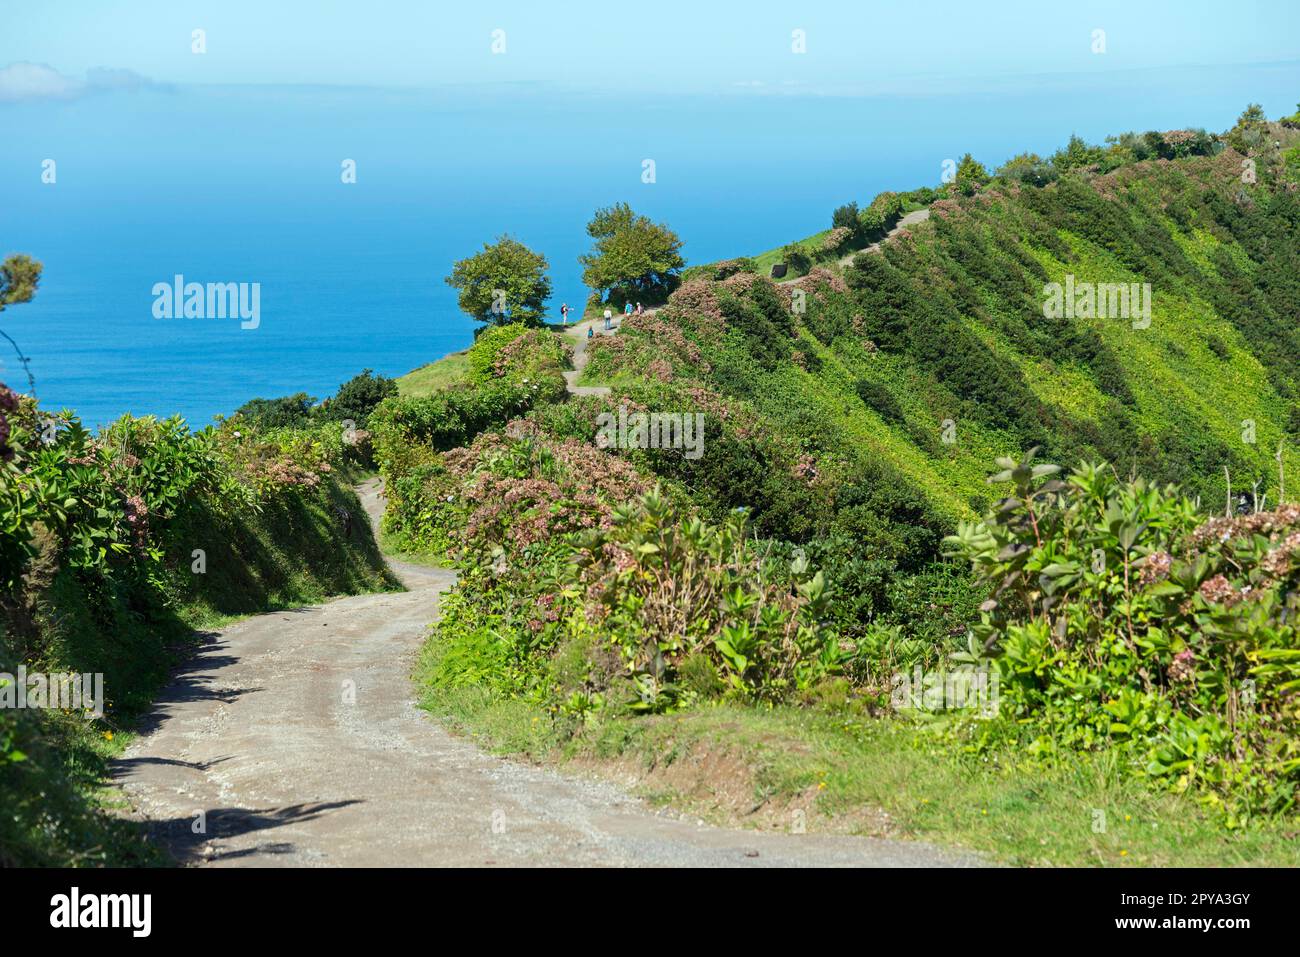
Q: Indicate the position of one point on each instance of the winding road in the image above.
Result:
(294, 739)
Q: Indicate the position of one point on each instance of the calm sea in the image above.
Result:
(243, 185)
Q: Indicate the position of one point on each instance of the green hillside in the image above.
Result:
(1126, 311)
(720, 569)
(948, 324)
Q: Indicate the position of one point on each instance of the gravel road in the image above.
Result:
(293, 739)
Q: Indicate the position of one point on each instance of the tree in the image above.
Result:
(354, 401)
(357, 398)
(1077, 155)
(1028, 168)
(633, 257)
(286, 412)
(19, 277)
(504, 283)
(1250, 130)
(971, 175)
(847, 217)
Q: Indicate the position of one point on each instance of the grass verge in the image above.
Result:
(451, 369)
(845, 773)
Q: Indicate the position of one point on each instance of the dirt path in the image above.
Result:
(257, 734)
(911, 219)
(578, 333)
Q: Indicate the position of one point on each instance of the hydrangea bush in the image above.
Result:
(1120, 616)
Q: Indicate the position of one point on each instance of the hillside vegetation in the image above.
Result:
(115, 548)
(840, 529)
(987, 532)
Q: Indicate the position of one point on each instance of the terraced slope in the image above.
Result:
(932, 354)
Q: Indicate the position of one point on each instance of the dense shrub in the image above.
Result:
(287, 411)
(113, 547)
(878, 398)
(489, 341)
(971, 176)
(1120, 617)
(562, 547)
(353, 402)
(879, 217)
(512, 369)
(796, 257)
(357, 398)
(677, 596)
(1029, 169)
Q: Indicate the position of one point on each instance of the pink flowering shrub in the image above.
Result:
(836, 239)
(113, 544)
(563, 545)
(649, 346)
(1119, 617)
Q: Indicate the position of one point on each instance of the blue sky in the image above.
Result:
(865, 46)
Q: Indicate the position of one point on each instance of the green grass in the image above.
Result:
(445, 372)
(1179, 386)
(392, 548)
(843, 770)
(811, 244)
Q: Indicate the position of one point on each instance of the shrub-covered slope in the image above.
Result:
(114, 547)
(923, 361)
(853, 415)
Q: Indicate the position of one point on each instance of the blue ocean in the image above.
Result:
(243, 184)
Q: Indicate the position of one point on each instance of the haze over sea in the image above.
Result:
(242, 184)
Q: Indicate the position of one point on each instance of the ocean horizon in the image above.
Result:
(230, 184)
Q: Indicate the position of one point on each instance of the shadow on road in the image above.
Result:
(178, 835)
(192, 680)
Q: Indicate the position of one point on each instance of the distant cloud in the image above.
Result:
(34, 81)
(115, 78)
(39, 81)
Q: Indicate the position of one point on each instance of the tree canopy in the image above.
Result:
(633, 257)
(971, 175)
(354, 401)
(504, 283)
(19, 277)
(1029, 168)
(1250, 131)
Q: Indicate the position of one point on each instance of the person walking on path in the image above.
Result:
(638, 308)
(564, 313)
(591, 331)
(609, 319)
(627, 311)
